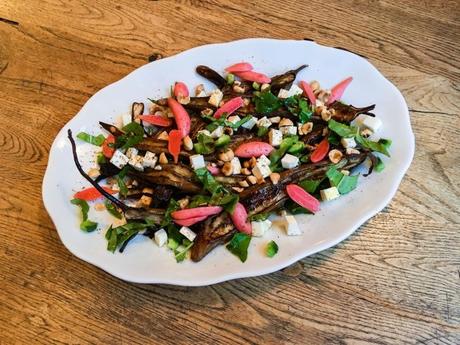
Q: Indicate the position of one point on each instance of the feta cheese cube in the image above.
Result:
(283, 93)
(189, 234)
(291, 226)
(261, 171)
(131, 152)
(150, 160)
(126, 119)
(348, 142)
(218, 132)
(275, 137)
(197, 162)
(215, 97)
(372, 123)
(236, 165)
(119, 159)
(263, 160)
(259, 228)
(136, 163)
(294, 90)
(264, 122)
(249, 124)
(233, 119)
(288, 130)
(161, 237)
(329, 193)
(289, 161)
(205, 132)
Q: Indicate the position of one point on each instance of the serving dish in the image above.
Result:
(142, 261)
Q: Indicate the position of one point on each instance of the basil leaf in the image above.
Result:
(296, 148)
(334, 176)
(344, 183)
(133, 135)
(272, 249)
(111, 237)
(381, 146)
(310, 186)
(239, 245)
(205, 144)
(259, 217)
(342, 130)
(91, 139)
(333, 138)
(111, 208)
(267, 102)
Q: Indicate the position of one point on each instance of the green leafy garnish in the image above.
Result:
(116, 237)
(223, 140)
(230, 78)
(222, 121)
(198, 200)
(267, 102)
(121, 182)
(310, 186)
(344, 183)
(172, 243)
(100, 159)
(133, 135)
(381, 146)
(379, 166)
(180, 252)
(259, 217)
(172, 206)
(277, 154)
(343, 130)
(262, 131)
(112, 209)
(91, 139)
(86, 224)
(205, 144)
(239, 245)
(294, 208)
(271, 249)
(299, 106)
(333, 138)
(296, 148)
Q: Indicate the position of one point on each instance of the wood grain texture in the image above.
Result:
(395, 281)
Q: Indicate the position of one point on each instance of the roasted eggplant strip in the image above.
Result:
(346, 113)
(158, 146)
(211, 75)
(213, 232)
(285, 80)
(155, 215)
(111, 129)
(175, 175)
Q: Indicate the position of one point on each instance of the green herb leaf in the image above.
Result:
(379, 166)
(381, 146)
(342, 130)
(299, 106)
(181, 253)
(259, 217)
(310, 186)
(85, 225)
(198, 200)
(101, 158)
(267, 102)
(91, 139)
(205, 144)
(172, 243)
(262, 131)
(121, 182)
(111, 208)
(116, 237)
(294, 208)
(239, 245)
(296, 148)
(276, 155)
(172, 206)
(223, 140)
(333, 138)
(133, 135)
(344, 183)
(271, 249)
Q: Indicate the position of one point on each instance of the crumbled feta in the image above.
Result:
(259, 228)
(249, 124)
(275, 137)
(289, 161)
(161, 237)
(215, 97)
(150, 159)
(189, 234)
(264, 122)
(294, 90)
(131, 152)
(329, 193)
(119, 159)
(197, 162)
(263, 160)
(236, 165)
(288, 130)
(291, 226)
(136, 163)
(126, 119)
(205, 132)
(283, 93)
(234, 119)
(261, 171)
(218, 132)
(372, 123)
(348, 142)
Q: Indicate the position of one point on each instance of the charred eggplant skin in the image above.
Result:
(211, 75)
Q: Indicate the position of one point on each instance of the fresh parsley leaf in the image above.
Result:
(271, 249)
(133, 135)
(85, 225)
(91, 139)
(267, 102)
(239, 245)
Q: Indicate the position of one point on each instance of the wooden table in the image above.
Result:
(396, 280)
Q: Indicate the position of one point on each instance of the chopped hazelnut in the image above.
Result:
(188, 143)
(335, 156)
(163, 159)
(275, 177)
(227, 169)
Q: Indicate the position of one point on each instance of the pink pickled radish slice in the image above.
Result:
(181, 116)
(180, 90)
(189, 221)
(253, 76)
(301, 197)
(253, 149)
(308, 91)
(196, 212)
(239, 67)
(338, 90)
(240, 219)
(229, 107)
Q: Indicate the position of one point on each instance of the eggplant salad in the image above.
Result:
(196, 172)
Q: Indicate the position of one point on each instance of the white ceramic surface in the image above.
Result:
(142, 260)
